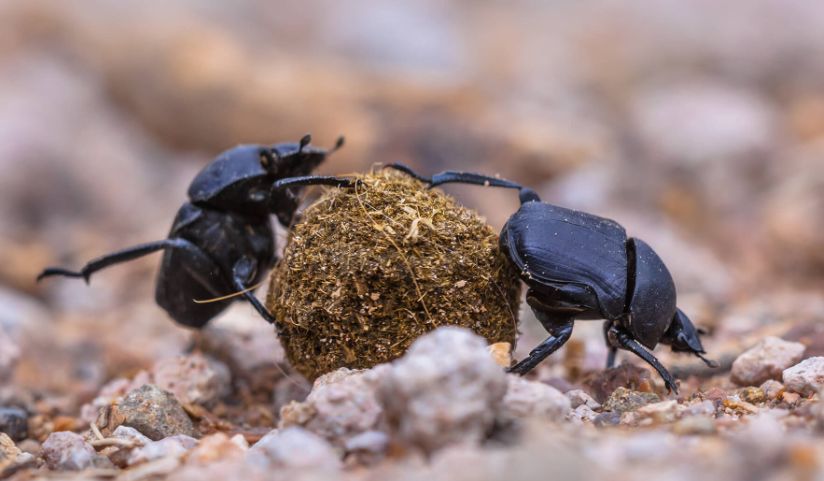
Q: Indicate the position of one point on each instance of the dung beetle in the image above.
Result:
(221, 241)
(578, 266)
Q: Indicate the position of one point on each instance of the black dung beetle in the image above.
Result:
(221, 241)
(581, 266)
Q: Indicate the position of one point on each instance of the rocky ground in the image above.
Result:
(699, 128)
(446, 409)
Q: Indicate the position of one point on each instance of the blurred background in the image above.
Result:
(698, 125)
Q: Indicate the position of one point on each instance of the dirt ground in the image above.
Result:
(698, 126)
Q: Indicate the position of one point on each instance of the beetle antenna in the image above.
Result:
(304, 141)
(338, 144)
(228, 296)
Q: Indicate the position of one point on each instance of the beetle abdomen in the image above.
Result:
(550, 244)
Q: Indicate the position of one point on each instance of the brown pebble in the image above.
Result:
(607, 419)
(624, 400)
(694, 425)
(790, 397)
(715, 394)
(752, 395)
(153, 412)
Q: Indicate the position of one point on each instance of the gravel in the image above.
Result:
(9, 354)
(193, 379)
(806, 377)
(342, 404)
(766, 360)
(8, 452)
(294, 448)
(446, 389)
(67, 451)
(531, 398)
(578, 397)
(14, 422)
(173, 446)
(624, 400)
(153, 412)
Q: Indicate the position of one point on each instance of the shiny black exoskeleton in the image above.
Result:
(581, 266)
(222, 241)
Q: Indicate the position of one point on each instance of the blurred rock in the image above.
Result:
(253, 354)
(578, 397)
(341, 405)
(699, 407)
(132, 440)
(795, 199)
(806, 377)
(624, 400)
(582, 413)
(661, 412)
(173, 446)
(294, 448)
(700, 123)
(9, 454)
(153, 412)
(501, 353)
(14, 422)
(67, 451)
(531, 398)
(446, 389)
(110, 393)
(772, 389)
(763, 437)
(766, 360)
(291, 388)
(9, 354)
(753, 395)
(603, 383)
(193, 378)
(608, 418)
(214, 447)
(367, 447)
(695, 424)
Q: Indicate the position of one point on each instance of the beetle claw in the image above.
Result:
(708, 362)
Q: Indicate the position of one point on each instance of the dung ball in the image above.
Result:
(369, 269)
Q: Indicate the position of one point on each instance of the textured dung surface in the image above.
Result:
(369, 270)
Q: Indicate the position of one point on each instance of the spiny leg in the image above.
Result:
(107, 260)
(612, 351)
(447, 177)
(242, 273)
(627, 342)
(560, 330)
(611, 354)
(315, 180)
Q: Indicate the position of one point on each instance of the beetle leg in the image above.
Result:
(560, 329)
(315, 180)
(612, 351)
(449, 176)
(630, 344)
(408, 171)
(107, 260)
(242, 273)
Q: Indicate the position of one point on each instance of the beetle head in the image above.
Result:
(682, 336)
(291, 160)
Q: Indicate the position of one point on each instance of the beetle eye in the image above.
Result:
(265, 161)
